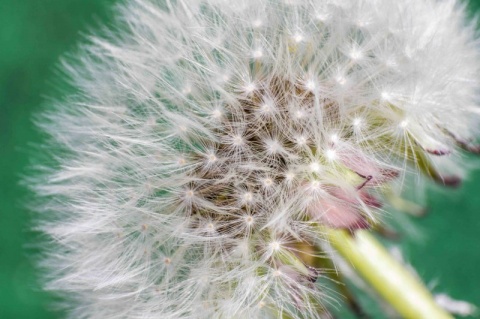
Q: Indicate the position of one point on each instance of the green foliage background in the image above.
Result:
(33, 35)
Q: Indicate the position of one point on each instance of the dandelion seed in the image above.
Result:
(266, 108)
(212, 158)
(275, 245)
(248, 197)
(403, 124)
(217, 114)
(249, 220)
(331, 154)
(310, 85)
(250, 87)
(268, 182)
(299, 114)
(238, 140)
(385, 96)
(290, 176)
(315, 167)
(334, 138)
(357, 122)
(356, 54)
(341, 80)
(257, 54)
(301, 140)
(257, 23)
(314, 186)
(298, 38)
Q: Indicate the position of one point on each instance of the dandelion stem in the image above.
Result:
(390, 279)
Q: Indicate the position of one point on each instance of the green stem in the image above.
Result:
(400, 288)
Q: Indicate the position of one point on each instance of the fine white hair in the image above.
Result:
(206, 139)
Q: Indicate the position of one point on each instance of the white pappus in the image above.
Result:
(208, 140)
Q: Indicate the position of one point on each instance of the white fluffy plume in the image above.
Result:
(208, 139)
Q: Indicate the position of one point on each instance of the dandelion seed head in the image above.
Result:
(204, 142)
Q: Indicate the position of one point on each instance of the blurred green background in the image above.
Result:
(33, 35)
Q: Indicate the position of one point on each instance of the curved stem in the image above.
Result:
(395, 284)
